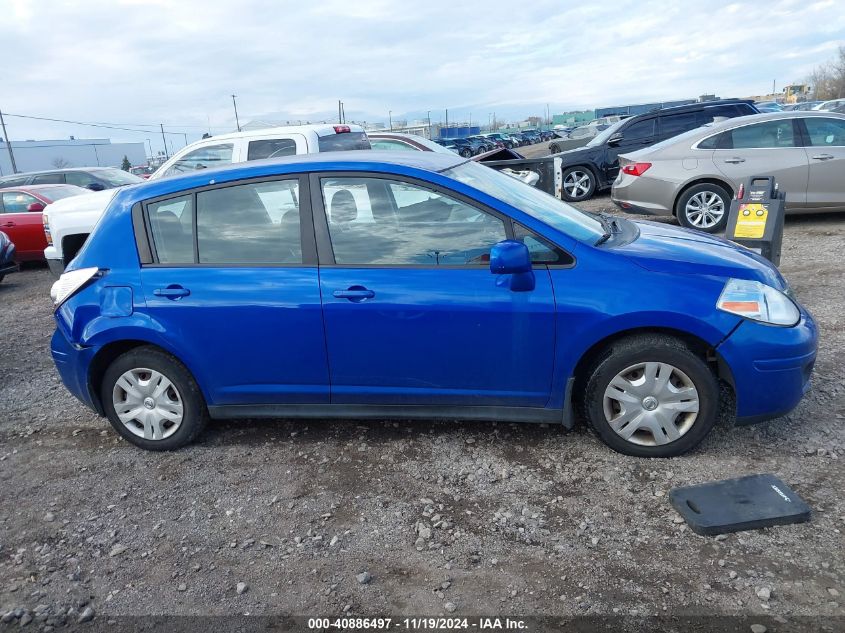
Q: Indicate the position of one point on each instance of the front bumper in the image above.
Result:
(770, 367)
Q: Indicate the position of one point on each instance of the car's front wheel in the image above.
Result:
(704, 207)
(579, 183)
(152, 400)
(466, 153)
(651, 396)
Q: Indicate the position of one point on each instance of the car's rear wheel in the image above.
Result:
(466, 153)
(704, 207)
(579, 183)
(651, 396)
(152, 400)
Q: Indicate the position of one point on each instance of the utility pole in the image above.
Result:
(447, 117)
(235, 104)
(8, 145)
(428, 115)
(390, 117)
(150, 145)
(342, 112)
(164, 140)
(339, 111)
(186, 138)
(774, 82)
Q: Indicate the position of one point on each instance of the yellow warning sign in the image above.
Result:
(751, 221)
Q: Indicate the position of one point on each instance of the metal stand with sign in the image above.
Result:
(756, 217)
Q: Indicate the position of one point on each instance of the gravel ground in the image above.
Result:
(327, 518)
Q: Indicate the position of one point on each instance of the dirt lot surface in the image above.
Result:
(328, 518)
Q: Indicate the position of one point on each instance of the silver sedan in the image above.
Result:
(694, 176)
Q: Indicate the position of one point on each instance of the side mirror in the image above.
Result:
(95, 186)
(615, 138)
(510, 257)
(35, 206)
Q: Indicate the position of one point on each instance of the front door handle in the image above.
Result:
(823, 157)
(172, 292)
(354, 293)
(736, 160)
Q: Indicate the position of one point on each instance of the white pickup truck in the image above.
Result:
(68, 222)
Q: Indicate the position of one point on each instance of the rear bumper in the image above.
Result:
(770, 366)
(641, 194)
(72, 363)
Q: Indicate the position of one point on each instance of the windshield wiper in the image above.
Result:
(610, 226)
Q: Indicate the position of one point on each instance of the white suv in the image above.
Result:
(67, 226)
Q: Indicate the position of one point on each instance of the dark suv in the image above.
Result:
(594, 167)
(93, 178)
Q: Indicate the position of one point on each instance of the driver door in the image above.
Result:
(412, 313)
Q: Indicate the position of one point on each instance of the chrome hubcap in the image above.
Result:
(705, 209)
(148, 404)
(651, 403)
(577, 184)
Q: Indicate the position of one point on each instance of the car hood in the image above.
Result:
(670, 249)
(94, 201)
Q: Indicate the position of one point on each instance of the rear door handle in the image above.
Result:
(13, 224)
(172, 292)
(354, 293)
(735, 160)
(823, 157)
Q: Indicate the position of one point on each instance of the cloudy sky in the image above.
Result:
(137, 63)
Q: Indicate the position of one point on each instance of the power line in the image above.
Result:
(109, 126)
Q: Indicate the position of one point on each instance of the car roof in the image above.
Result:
(698, 105)
(321, 129)
(52, 171)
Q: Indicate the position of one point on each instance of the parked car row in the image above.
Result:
(593, 167)
(694, 176)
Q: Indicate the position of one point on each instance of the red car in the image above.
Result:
(20, 216)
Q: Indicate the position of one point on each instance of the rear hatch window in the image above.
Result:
(344, 141)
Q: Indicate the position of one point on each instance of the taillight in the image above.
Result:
(740, 194)
(340, 129)
(636, 169)
(47, 235)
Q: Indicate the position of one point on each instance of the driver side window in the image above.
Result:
(202, 158)
(391, 223)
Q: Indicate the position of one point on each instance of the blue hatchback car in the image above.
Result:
(416, 284)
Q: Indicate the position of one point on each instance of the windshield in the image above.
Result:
(530, 200)
(602, 136)
(117, 177)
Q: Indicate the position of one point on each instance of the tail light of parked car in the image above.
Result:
(47, 234)
(636, 169)
(341, 129)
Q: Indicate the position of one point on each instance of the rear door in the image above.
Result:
(275, 147)
(413, 314)
(825, 147)
(233, 282)
(769, 148)
(23, 227)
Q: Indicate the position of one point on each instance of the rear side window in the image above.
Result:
(778, 133)
(49, 179)
(639, 131)
(674, 124)
(343, 141)
(256, 223)
(717, 141)
(171, 225)
(271, 148)
(13, 182)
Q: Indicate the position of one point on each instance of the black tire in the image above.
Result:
(627, 353)
(554, 148)
(581, 194)
(195, 413)
(706, 190)
(466, 153)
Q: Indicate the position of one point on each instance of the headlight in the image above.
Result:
(759, 302)
(70, 282)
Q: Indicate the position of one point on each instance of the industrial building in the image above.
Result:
(55, 154)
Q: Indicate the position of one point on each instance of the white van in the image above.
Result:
(67, 226)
